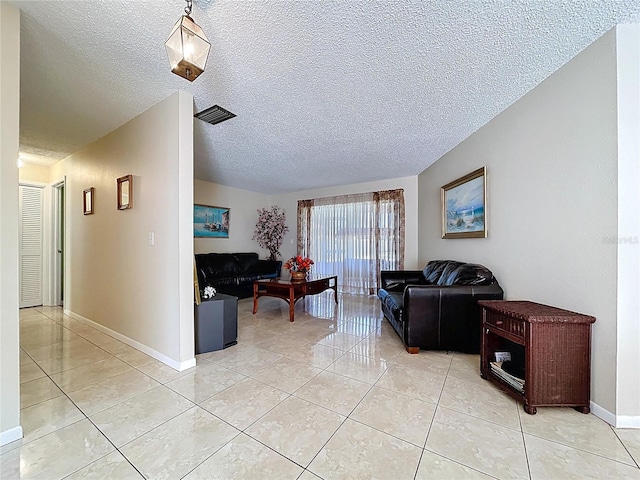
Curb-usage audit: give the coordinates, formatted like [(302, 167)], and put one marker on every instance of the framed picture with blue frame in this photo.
[(210, 222), (464, 206)]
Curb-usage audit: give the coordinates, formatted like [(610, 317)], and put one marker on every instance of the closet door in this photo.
[(30, 245)]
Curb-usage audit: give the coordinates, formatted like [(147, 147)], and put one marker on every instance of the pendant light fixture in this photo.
[(187, 47)]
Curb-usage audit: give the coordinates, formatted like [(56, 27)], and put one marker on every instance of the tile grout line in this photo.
[(424, 446), (637, 462), (93, 423), (524, 440), (293, 394), (573, 447), (86, 417)]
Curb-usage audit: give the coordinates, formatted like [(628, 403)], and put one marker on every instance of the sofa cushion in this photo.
[(245, 262), (396, 287), (246, 279), (226, 264), (392, 301), (437, 271), (223, 282), (204, 263), (209, 272), (217, 264), (433, 271), (265, 267), (266, 276), (470, 274), (448, 273)]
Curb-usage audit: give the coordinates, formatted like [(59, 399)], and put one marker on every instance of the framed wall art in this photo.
[(210, 222), (125, 192), (87, 200), (464, 204)]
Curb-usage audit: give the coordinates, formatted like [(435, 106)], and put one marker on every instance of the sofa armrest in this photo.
[(392, 278), (421, 314), (447, 317), (202, 278)]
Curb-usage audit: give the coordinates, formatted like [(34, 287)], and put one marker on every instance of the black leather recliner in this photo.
[(437, 308)]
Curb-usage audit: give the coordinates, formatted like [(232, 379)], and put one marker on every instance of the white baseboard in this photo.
[(628, 421), (618, 421), (10, 435), (603, 414), (180, 366)]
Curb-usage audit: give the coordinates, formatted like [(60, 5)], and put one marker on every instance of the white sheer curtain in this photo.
[(353, 237)]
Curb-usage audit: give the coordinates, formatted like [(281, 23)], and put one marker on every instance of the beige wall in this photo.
[(30, 172), (243, 207), (552, 200), (289, 201), (10, 429), (116, 279)]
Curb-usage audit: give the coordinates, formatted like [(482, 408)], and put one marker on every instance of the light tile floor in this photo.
[(331, 396)]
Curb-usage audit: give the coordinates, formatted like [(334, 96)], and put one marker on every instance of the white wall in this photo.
[(115, 277), (243, 206), (552, 173), (628, 60), (289, 201), (10, 429)]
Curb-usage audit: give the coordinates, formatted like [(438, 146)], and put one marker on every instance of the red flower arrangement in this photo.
[(298, 264)]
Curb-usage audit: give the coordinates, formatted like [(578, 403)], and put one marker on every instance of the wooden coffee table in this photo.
[(292, 291)]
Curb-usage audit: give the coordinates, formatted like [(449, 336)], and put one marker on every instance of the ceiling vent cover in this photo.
[(214, 115)]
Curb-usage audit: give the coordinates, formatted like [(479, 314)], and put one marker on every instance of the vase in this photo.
[(299, 276)]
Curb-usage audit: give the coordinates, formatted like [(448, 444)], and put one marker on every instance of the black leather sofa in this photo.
[(437, 308), (234, 273)]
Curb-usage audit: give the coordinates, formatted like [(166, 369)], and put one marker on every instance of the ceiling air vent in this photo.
[(215, 114)]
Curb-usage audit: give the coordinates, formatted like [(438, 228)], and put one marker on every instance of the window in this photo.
[(353, 237)]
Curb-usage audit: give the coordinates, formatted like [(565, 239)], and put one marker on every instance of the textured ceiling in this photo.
[(325, 92)]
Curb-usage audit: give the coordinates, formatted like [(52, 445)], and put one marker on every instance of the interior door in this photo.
[(59, 243), (30, 245)]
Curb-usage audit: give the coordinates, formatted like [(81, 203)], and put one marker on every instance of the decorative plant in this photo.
[(298, 264), (270, 230), (209, 292)]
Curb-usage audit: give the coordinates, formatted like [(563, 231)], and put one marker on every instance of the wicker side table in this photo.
[(557, 352)]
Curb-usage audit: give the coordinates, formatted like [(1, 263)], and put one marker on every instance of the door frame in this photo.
[(56, 244)]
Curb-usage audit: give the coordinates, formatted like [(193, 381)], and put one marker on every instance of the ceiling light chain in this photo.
[(187, 47)]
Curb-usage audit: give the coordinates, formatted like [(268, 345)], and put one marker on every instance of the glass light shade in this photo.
[(187, 48)]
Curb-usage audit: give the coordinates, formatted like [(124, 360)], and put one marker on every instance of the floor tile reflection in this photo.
[(332, 395)]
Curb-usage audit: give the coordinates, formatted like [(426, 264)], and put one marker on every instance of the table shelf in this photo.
[(556, 349)]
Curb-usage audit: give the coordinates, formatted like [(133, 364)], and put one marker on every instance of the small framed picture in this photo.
[(464, 203), (87, 201), (125, 192)]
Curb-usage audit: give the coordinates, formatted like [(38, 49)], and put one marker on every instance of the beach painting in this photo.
[(210, 222), (464, 206)]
